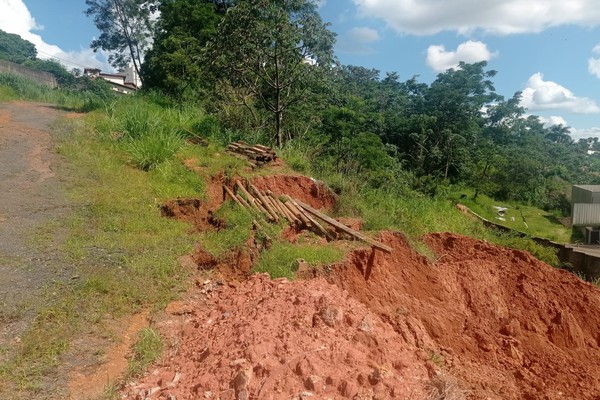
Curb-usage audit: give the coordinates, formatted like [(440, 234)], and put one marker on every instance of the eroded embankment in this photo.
[(506, 324), (479, 322)]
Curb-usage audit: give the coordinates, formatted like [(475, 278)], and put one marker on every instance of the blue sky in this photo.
[(549, 49)]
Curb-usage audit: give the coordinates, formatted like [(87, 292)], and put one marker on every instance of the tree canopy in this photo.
[(125, 29), (16, 49), (174, 64), (273, 51)]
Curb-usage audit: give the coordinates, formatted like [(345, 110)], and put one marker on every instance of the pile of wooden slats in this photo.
[(275, 208), (255, 155)]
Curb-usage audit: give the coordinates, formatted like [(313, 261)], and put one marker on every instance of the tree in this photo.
[(273, 50), (173, 65), (125, 27), (16, 49), (63, 77)]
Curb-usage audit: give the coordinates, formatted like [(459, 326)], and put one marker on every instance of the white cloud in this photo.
[(547, 95), (594, 63), (594, 66), (470, 52), (553, 120), (357, 41), (577, 134), (427, 17), (364, 35), (16, 18)]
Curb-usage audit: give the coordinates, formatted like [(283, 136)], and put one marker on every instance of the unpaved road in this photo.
[(32, 204)]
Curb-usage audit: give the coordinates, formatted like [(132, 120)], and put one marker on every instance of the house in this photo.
[(126, 82), (585, 209)]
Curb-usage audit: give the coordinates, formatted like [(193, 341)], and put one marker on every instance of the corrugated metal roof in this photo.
[(586, 214), (591, 188)]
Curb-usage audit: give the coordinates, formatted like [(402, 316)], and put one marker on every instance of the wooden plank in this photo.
[(343, 227), (312, 220)]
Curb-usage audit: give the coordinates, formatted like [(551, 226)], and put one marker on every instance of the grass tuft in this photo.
[(280, 260)]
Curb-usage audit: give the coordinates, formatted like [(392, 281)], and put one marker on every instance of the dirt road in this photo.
[(32, 202)]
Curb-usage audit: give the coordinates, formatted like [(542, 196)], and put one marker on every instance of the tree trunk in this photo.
[(278, 127)]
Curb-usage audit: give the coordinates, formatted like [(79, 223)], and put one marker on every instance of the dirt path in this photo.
[(32, 201)]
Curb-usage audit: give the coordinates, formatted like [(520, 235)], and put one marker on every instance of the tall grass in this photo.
[(13, 87), (396, 206)]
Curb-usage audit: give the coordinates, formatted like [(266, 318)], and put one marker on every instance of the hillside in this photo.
[(476, 321)]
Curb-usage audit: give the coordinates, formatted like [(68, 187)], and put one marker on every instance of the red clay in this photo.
[(274, 339), (308, 190), (496, 322), (505, 324)]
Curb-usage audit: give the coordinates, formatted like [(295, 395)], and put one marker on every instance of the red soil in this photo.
[(305, 189), (504, 324)]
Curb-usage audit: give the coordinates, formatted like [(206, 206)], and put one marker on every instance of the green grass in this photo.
[(16, 87), (527, 219), (280, 260), (147, 349), (123, 250)]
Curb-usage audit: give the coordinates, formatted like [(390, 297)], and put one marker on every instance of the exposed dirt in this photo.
[(313, 192), (274, 339), (481, 322)]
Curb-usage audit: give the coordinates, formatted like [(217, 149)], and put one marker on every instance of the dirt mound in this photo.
[(314, 193), (274, 339), (507, 325)]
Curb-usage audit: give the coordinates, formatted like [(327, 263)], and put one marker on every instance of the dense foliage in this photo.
[(265, 68), (125, 29), (14, 48)]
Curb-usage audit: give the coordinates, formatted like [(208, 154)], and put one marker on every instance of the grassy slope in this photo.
[(527, 219), (126, 252)]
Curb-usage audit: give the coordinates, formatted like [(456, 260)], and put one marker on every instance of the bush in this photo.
[(149, 151)]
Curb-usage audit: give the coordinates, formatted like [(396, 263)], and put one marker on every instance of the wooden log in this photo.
[(297, 214), (317, 225), (282, 210), (244, 202), (232, 195), (295, 221), (268, 202), (343, 227), (262, 209), (313, 222), (262, 199), (249, 197), (275, 207)]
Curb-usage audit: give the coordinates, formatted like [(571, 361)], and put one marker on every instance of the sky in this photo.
[(547, 49)]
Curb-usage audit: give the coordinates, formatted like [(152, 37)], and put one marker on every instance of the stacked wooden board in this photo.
[(275, 208), (255, 155)]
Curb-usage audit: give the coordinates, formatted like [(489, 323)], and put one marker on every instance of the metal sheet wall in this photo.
[(586, 214)]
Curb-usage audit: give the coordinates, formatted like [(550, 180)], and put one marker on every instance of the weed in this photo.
[(149, 151), (280, 259), (147, 349), (444, 386)]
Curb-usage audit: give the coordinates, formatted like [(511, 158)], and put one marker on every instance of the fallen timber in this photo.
[(255, 155), (297, 213)]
